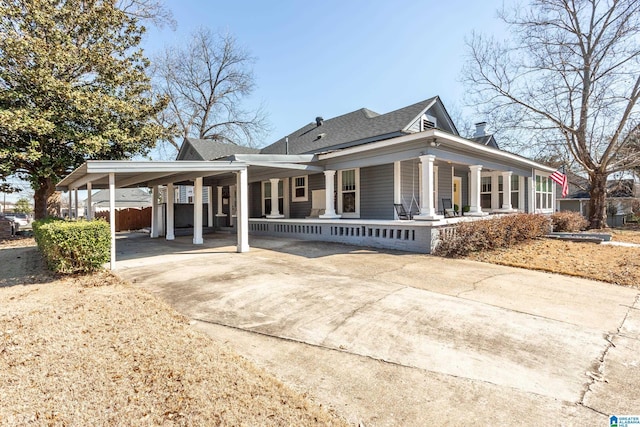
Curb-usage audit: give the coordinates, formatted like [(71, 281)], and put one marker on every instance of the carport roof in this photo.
[(149, 173), (143, 173)]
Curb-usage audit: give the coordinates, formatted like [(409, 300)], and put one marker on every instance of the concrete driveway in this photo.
[(400, 339)]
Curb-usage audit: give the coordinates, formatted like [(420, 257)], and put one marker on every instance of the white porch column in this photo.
[(243, 210), (275, 199), (427, 208), (154, 212), (209, 206), (329, 185), (75, 198), (112, 218), (219, 213), (506, 191), (495, 191), (232, 205), (475, 208), (197, 212), (89, 203), (170, 210)]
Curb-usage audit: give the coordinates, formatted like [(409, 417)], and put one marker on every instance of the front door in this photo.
[(457, 192)]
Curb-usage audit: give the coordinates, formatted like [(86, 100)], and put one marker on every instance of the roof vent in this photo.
[(321, 135), (319, 120), (480, 129)]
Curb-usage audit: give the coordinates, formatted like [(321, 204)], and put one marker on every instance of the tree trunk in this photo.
[(598, 201), (41, 197)]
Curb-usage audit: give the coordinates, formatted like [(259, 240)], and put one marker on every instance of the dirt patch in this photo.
[(613, 264), (92, 350)]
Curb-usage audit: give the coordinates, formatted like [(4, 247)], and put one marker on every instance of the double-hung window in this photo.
[(544, 193), (485, 192), (300, 189), (349, 193)]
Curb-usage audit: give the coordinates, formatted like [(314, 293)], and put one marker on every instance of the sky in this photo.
[(333, 57)]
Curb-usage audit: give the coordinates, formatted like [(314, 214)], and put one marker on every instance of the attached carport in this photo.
[(112, 174)]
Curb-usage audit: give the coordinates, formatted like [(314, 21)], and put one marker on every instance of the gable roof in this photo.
[(210, 149), (488, 140), (355, 128)]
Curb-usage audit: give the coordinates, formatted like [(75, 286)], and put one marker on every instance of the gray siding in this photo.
[(464, 174), (445, 183), (303, 209), (255, 200), (410, 184), (376, 192)]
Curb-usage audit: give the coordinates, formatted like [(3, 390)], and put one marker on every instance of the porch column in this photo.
[(197, 212), (170, 216), (219, 213), (243, 210), (475, 208), (89, 203), (112, 219), (75, 200), (506, 191), (427, 208), (275, 199), (232, 205), (209, 206), (154, 212), (329, 185)]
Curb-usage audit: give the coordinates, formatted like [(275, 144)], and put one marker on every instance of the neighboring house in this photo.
[(622, 195), (125, 198)]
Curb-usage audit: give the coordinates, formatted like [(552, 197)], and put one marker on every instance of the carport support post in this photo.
[(209, 206), (243, 210), (112, 218), (89, 206), (154, 210), (75, 199), (170, 201), (197, 211)]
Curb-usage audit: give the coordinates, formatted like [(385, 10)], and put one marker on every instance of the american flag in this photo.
[(561, 179)]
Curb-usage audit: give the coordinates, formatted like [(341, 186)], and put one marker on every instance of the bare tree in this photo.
[(206, 83), (569, 78), (153, 11)]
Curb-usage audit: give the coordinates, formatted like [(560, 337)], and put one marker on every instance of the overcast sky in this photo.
[(332, 57)]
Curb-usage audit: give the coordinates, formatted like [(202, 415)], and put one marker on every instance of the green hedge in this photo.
[(492, 233), (73, 246)]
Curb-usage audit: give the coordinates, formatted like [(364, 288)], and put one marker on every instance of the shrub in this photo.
[(568, 221), (492, 233), (73, 246)]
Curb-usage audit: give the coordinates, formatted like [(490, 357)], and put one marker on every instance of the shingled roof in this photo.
[(211, 149), (358, 127)]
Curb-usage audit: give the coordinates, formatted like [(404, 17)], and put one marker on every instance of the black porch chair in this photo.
[(402, 212), (447, 207)]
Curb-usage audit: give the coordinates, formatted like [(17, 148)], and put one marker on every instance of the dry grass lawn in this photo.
[(614, 264), (96, 351)]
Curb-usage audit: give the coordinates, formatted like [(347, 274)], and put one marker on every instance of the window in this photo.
[(544, 193), (267, 197), (300, 193), (500, 192), (515, 191), (349, 193), (485, 192)]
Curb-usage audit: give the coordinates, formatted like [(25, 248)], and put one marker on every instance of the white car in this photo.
[(19, 218)]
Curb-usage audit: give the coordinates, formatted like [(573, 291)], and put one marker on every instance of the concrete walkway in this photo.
[(400, 339)]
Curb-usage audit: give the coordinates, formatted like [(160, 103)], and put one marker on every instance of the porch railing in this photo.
[(411, 236)]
